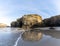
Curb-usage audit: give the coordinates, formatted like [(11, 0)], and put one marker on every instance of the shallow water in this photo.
[(14, 37)]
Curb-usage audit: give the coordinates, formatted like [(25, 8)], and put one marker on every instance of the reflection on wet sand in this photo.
[(36, 34), (32, 35), (53, 33)]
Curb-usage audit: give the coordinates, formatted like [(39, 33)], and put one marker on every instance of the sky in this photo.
[(10, 10)]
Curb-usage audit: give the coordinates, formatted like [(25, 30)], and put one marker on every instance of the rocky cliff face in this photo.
[(34, 20), (27, 21), (53, 21), (31, 20), (2, 25)]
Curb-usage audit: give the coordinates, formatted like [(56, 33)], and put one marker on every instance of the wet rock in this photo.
[(51, 28)]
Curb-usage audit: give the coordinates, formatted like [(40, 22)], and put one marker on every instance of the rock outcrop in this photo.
[(28, 21), (14, 24), (2, 25), (53, 21)]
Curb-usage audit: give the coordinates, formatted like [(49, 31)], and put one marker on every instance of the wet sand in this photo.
[(13, 37)]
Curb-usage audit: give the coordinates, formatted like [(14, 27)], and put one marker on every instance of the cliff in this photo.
[(52, 21), (28, 21)]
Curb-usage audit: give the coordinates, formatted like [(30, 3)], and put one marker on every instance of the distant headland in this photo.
[(2, 25)]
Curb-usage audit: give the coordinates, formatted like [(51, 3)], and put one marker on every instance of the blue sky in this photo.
[(10, 10)]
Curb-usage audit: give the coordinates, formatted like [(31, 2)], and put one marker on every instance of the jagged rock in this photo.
[(27, 21), (2, 25)]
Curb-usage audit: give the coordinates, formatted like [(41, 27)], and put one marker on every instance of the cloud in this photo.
[(9, 12), (12, 9)]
